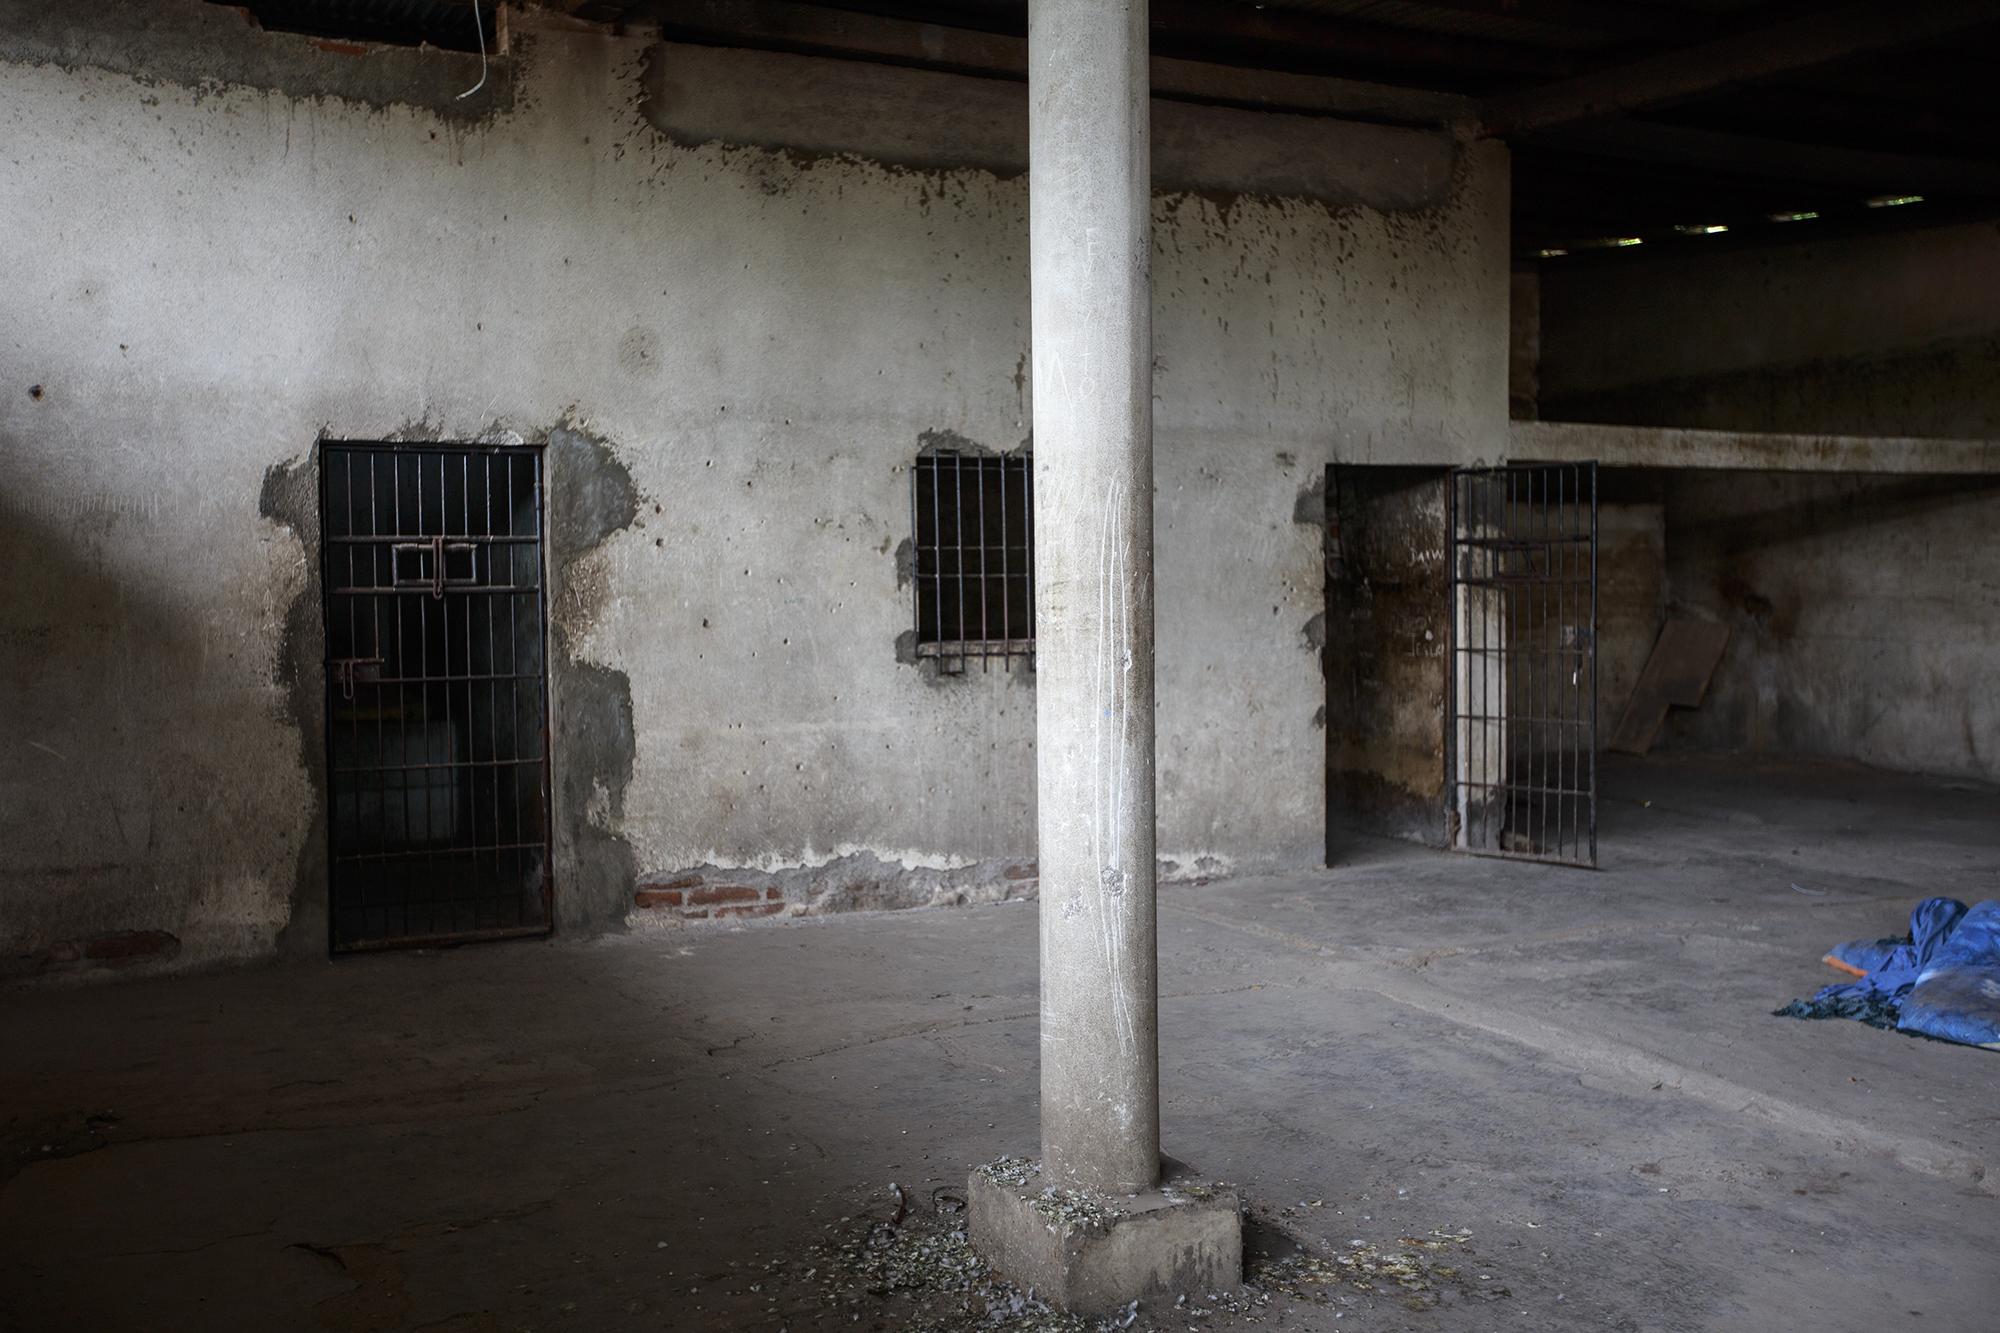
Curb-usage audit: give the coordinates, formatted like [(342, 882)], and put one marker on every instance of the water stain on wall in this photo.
[(209, 47), (290, 498), (591, 498)]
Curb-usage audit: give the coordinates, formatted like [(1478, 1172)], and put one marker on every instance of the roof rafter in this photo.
[(1781, 159), (1801, 43)]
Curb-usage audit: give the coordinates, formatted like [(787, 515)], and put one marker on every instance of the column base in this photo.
[(1093, 1254)]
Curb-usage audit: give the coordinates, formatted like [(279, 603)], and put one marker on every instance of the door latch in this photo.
[(347, 670), (438, 549)]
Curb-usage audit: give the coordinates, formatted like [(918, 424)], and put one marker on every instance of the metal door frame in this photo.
[(440, 547), (1570, 778)]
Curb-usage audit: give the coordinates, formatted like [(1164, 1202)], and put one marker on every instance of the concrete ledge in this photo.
[(1670, 446), (1092, 1254)]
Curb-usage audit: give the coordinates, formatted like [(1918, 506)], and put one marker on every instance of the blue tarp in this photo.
[(1941, 980)]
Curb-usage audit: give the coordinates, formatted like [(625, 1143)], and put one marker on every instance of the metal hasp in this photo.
[(436, 693), (1090, 246), (972, 523), (1521, 725)]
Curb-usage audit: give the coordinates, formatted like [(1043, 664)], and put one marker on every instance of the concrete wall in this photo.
[(1631, 587), (1388, 604), (1524, 344), (1895, 334), (223, 245), (1864, 624), (1864, 616)]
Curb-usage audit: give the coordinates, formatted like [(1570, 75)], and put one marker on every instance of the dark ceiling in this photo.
[(1764, 117), (1672, 122), (448, 24)]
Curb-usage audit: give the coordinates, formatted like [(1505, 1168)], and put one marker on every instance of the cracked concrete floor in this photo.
[(1578, 1068)]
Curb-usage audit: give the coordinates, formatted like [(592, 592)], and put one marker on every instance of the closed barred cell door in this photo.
[(436, 693), (1521, 732)]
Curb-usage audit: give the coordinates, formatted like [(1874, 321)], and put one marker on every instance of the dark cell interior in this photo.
[(974, 565), (437, 699)]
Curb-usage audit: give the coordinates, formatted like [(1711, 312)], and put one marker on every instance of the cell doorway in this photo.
[(437, 701)]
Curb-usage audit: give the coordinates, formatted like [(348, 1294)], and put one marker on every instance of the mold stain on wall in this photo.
[(290, 499), (206, 47), (591, 498), (1386, 667)]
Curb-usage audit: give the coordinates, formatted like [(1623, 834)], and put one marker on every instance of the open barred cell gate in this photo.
[(436, 693), (1521, 724)]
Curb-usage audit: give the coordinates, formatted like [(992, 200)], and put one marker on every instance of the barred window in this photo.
[(974, 566)]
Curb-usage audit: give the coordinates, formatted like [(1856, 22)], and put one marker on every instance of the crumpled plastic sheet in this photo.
[(1941, 980)]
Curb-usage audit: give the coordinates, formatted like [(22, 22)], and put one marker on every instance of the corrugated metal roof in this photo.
[(1494, 24), (1556, 25)]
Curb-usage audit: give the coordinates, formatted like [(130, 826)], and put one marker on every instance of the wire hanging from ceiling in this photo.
[(479, 28)]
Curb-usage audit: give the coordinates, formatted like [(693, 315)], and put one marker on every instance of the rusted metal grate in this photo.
[(973, 571), (1521, 730), (436, 693)]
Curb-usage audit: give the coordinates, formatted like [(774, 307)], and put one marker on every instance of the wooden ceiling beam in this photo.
[(1638, 22), (1184, 27), (785, 25), (1230, 32), (1780, 160), (1802, 43)]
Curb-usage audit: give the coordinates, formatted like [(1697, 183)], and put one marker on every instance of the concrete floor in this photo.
[(1580, 1069)]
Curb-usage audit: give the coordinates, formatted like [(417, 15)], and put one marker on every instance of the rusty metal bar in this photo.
[(1520, 737), (424, 845), (961, 600)]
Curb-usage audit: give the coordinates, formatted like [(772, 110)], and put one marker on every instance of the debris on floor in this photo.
[(1941, 980), (1413, 1272), (919, 1274), (1066, 1211), (1676, 675)]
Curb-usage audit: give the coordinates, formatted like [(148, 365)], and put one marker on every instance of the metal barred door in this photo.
[(1521, 722), (436, 693)]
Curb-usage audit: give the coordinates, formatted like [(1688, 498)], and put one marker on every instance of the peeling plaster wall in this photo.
[(224, 245), (1387, 663)]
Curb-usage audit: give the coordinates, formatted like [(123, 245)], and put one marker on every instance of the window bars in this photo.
[(1521, 726), (436, 693), (973, 571)]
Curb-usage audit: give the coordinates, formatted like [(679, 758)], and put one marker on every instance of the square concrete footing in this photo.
[(1093, 1254)]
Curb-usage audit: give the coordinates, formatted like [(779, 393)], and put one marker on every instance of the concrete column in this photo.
[(1090, 243)]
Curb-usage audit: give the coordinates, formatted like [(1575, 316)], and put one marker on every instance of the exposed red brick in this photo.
[(724, 893), (1028, 871), (774, 893), (340, 48), (683, 882), (125, 946), (761, 909), (657, 898)]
